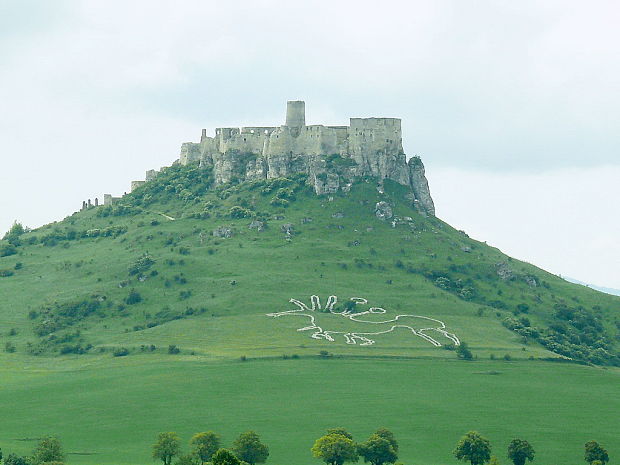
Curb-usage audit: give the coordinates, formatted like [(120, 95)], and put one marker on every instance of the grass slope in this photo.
[(149, 273)]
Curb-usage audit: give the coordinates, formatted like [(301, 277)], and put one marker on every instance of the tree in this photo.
[(49, 449), (519, 450), (594, 451), (463, 352), (473, 448), (167, 446), (224, 457), (377, 450), (247, 447), (340, 430), (205, 445), (389, 436), (13, 234), (335, 449)]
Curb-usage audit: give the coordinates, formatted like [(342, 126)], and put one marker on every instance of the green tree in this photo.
[(167, 446), (473, 448), (340, 430), (335, 449), (49, 449), (377, 450), (463, 352), (494, 460), (247, 447), (594, 451), (205, 445), (13, 234), (519, 450), (389, 436), (224, 457)]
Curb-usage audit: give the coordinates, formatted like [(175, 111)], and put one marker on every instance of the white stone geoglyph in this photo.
[(418, 325)]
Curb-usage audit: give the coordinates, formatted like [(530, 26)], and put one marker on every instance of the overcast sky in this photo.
[(513, 106)]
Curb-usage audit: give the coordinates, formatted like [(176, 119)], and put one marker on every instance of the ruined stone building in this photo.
[(331, 156)]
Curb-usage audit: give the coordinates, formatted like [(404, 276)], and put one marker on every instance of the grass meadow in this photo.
[(109, 412)]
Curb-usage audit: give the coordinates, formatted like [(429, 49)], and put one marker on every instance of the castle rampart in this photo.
[(372, 146)]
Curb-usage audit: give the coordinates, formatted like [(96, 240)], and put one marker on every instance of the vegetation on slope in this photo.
[(179, 265)]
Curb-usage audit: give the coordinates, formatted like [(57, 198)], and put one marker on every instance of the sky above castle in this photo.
[(513, 106)]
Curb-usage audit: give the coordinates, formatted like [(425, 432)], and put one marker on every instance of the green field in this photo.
[(66, 290), (109, 412)]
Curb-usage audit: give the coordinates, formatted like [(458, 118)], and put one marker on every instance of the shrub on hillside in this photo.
[(120, 351), (60, 315), (463, 352), (7, 250), (134, 297), (238, 212), (141, 265)]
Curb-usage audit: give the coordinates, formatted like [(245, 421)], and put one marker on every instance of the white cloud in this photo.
[(94, 92), (564, 221)]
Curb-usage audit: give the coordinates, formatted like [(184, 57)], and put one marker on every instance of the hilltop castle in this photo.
[(330, 155)]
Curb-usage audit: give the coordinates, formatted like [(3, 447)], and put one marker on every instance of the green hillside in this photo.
[(150, 315)]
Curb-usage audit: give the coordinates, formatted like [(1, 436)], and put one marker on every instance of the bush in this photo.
[(141, 265), (7, 250), (57, 316), (173, 349), (120, 352), (134, 297), (238, 212), (463, 352)]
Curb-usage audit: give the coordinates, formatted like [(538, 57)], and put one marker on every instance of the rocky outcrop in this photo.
[(419, 185), (383, 211)]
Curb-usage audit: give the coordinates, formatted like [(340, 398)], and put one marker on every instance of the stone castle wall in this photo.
[(368, 147)]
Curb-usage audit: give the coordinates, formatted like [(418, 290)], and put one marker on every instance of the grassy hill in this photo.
[(149, 315)]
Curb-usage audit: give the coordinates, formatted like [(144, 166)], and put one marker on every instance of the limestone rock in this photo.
[(504, 271), (383, 210), (223, 231), (258, 225), (419, 186), (287, 229)]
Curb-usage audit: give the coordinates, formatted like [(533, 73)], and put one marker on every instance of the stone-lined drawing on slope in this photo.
[(421, 326)]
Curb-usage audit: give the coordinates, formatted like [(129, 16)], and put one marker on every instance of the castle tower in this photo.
[(295, 113)]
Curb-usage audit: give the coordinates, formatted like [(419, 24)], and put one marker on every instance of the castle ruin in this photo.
[(331, 156)]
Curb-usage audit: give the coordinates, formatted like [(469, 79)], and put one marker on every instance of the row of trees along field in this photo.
[(334, 448)]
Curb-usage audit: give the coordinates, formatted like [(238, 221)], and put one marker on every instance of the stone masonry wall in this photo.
[(367, 147)]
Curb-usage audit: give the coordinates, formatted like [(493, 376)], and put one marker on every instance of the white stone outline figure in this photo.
[(355, 336)]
